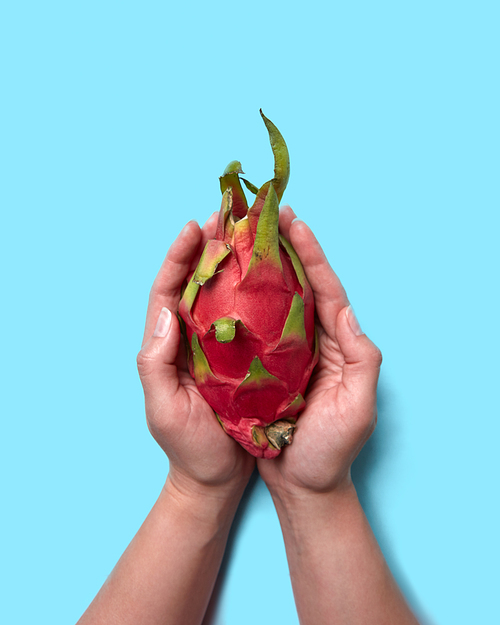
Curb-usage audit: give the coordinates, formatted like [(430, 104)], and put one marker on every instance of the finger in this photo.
[(362, 358), (209, 228), (156, 360), (286, 217), (329, 294), (207, 232), (166, 288)]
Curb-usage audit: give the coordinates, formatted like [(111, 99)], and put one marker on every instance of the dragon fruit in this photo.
[(248, 315)]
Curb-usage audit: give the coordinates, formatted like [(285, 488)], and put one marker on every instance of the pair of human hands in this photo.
[(340, 412)]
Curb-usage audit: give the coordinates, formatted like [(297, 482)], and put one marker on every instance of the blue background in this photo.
[(116, 120)]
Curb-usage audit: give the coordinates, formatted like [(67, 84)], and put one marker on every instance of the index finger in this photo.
[(166, 288), (329, 294)]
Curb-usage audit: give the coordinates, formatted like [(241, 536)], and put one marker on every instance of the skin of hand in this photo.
[(167, 572), (201, 455), (340, 412), (338, 572)]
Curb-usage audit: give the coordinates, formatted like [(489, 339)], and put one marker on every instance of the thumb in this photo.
[(156, 360), (362, 357)]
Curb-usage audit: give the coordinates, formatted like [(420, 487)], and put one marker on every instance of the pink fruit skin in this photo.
[(254, 279)]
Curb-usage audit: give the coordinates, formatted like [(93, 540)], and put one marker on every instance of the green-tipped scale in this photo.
[(249, 314)]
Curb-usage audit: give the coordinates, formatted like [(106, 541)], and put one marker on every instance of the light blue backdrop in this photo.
[(116, 120)]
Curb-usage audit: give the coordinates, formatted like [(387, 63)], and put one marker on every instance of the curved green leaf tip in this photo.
[(251, 187), (215, 251), (234, 167), (281, 158), (266, 244), (230, 178), (297, 265)]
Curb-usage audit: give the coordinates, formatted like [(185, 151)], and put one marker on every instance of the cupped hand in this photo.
[(181, 421), (340, 412)]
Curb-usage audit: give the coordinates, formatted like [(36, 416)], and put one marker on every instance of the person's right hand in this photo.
[(200, 453), (168, 571), (340, 411)]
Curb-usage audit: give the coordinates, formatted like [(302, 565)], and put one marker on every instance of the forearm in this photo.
[(167, 573), (338, 573)]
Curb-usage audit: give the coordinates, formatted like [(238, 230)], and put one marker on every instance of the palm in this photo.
[(338, 417), (196, 440), (179, 418), (321, 432)]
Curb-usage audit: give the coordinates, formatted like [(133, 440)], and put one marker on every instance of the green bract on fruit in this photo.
[(248, 315)]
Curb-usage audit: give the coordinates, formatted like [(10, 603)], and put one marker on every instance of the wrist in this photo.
[(208, 503), (315, 483), (300, 509)]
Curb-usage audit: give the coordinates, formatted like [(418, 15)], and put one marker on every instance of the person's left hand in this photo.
[(179, 418), (341, 407)]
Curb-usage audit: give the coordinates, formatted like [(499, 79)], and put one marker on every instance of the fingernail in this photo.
[(297, 220), (191, 221), (353, 321), (163, 323), (212, 217)]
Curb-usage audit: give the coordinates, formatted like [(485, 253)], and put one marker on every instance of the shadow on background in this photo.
[(364, 471), (212, 614), (374, 454)]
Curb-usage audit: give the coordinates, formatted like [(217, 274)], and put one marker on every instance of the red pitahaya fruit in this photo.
[(248, 315)]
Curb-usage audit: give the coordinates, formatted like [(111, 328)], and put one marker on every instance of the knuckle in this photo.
[(145, 363), (154, 292), (376, 356)]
